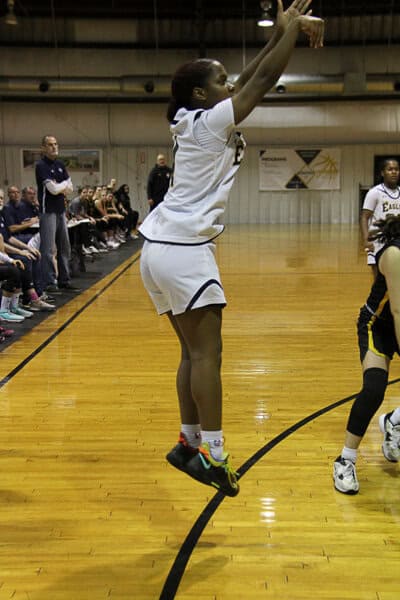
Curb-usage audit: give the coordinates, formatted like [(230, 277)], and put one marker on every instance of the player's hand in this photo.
[(18, 263), (296, 9), (313, 27)]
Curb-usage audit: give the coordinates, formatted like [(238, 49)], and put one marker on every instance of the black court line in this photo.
[(178, 568), (44, 344)]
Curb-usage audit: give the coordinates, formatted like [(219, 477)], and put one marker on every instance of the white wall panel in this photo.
[(132, 135), (131, 165)]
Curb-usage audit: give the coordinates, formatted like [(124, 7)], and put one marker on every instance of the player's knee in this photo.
[(368, 400)]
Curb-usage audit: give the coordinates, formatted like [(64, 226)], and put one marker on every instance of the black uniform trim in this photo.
[(181, 243), (201, 290)]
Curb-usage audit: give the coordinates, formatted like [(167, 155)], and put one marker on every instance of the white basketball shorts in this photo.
[(371, 258), (181, 278)]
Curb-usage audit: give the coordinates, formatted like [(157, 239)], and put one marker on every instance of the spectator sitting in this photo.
[(28, 195), (99, 219), (22, 220), (18, 250), (10, 311), (105, 206), (123, 203), (114, 216), (21, 216), (91, 237)]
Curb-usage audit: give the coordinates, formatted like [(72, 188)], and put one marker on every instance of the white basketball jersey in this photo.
[(207, 154), (382, 201)]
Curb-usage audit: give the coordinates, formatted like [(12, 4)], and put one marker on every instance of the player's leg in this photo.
[(187, 406), (369, 399), (201, 332), (190, 434)]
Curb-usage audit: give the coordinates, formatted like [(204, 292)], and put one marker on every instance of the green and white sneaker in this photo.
[(219, 474), (10, 317), (22, 312)]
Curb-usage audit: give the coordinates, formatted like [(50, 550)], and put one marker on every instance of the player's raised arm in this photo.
[(273, 63), (297, 8)]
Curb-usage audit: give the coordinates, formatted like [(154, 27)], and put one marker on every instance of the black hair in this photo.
[(387, 230), (120, 193), (190, 75), (385, 162)]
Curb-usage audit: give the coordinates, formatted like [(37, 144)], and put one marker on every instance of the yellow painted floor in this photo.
[(89, 508)]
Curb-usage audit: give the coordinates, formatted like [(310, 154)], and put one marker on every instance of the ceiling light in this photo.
[(10, 18), (267, 14)]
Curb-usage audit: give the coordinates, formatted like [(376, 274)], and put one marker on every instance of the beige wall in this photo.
[(131, 164), (131, 135)]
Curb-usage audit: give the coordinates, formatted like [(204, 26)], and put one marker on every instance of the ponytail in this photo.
[(388, 230), (188, 76), (172, 109)]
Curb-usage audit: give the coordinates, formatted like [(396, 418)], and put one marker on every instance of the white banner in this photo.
[(304, 168)]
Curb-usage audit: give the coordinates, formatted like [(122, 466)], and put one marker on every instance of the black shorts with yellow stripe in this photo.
[(376, 334)]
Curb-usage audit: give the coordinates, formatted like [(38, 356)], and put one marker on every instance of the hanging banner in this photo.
[(297, 169), (84, 166)]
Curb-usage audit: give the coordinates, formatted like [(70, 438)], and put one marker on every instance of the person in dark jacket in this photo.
[(123, 203), (158, 181)]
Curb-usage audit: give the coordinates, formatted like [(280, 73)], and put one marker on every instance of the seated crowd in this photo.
[(99, 220)]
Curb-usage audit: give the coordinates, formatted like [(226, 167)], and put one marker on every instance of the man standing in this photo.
[(53, 183), (158, 181)]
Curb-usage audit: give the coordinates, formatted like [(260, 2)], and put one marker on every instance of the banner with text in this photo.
[(297, 169)]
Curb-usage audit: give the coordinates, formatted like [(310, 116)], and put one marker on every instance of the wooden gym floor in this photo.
[(89, 508)]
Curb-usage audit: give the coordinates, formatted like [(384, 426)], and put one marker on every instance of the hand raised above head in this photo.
[(296, 9), (313, 27)]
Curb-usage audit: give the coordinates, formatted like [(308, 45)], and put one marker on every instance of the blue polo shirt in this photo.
[(15, 214), (3, 228), (53, 170)]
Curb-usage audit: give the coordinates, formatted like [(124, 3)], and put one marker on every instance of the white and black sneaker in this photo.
[(345, 476), (391, 439)]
